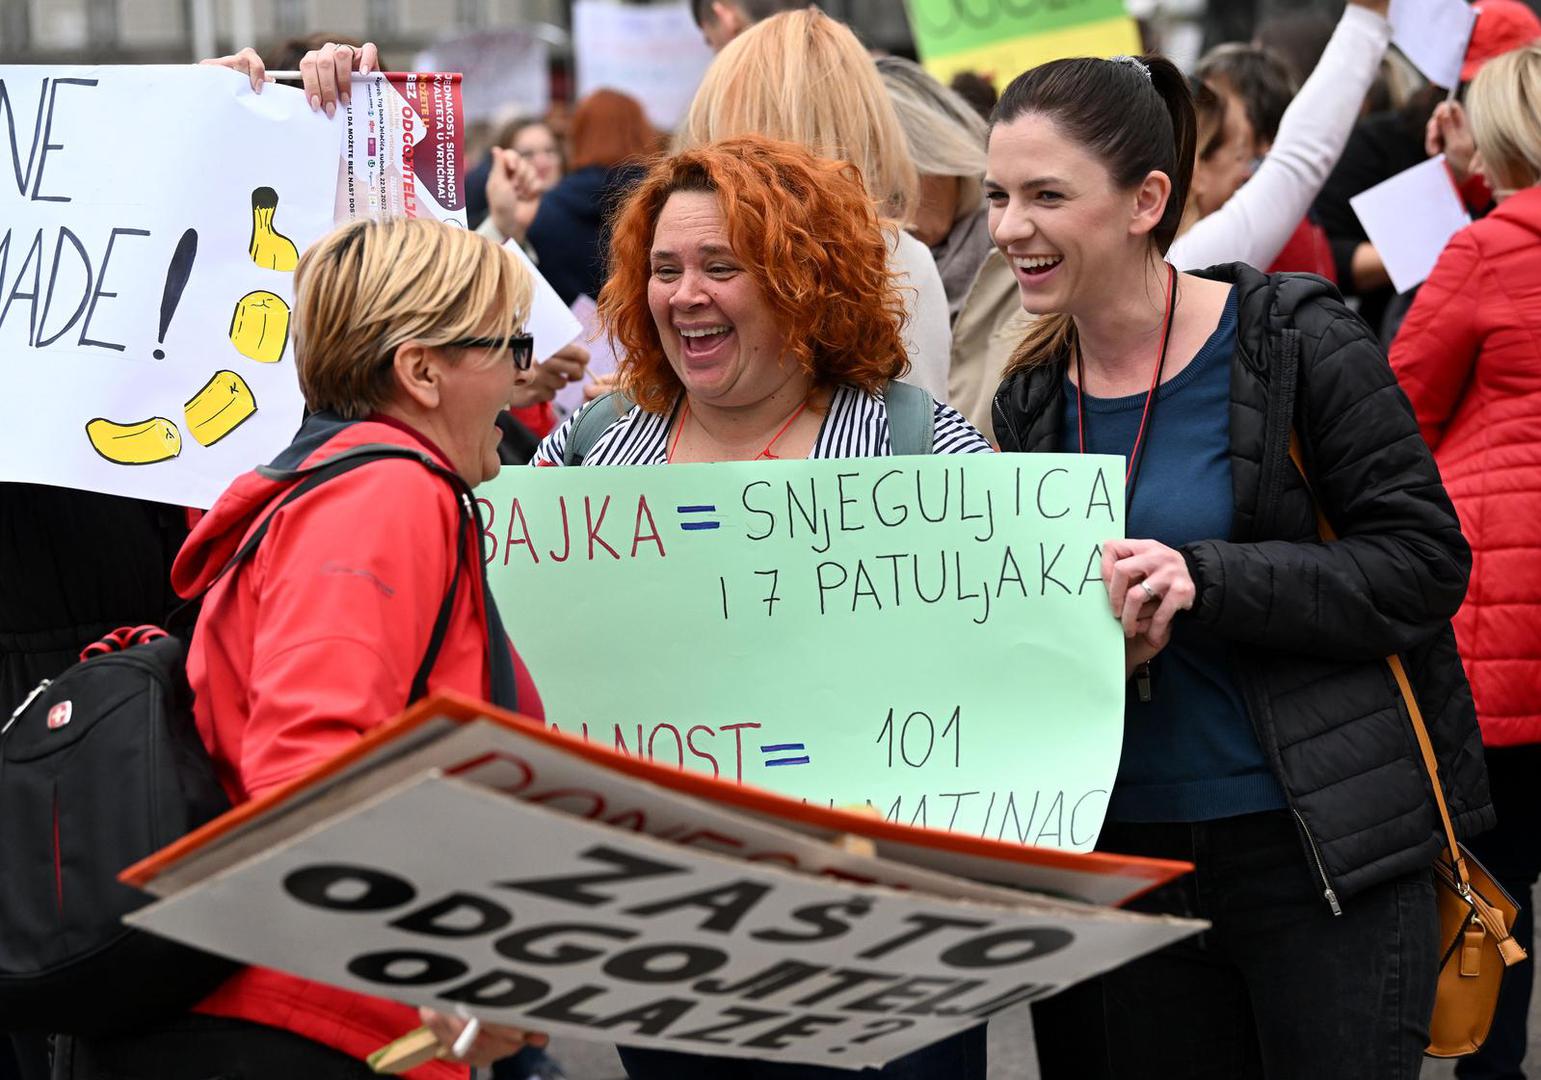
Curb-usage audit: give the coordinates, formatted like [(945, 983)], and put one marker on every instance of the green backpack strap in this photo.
[(911, 423), (594, 419)]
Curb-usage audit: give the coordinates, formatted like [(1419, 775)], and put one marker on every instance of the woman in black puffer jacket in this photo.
[(1265, 739)]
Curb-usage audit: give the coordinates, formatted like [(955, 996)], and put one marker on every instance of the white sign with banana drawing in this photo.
[(150, 222)]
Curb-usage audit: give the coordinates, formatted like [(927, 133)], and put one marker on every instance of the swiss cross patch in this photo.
[(59, 715)]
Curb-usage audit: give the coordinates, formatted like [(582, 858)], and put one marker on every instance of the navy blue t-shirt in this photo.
[(1190, 753)]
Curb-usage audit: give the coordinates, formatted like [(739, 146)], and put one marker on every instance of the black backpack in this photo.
[(100, 768)]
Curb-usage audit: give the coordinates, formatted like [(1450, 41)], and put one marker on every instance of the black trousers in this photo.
[(1277, 989), (1512, 854), (197, 1047)]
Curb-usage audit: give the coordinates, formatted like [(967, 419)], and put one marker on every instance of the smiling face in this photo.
[(1069, 232), (714, 323), (475, 387), (537, 145)]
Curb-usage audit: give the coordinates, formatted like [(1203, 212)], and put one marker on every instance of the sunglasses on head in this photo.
[(522, 345)]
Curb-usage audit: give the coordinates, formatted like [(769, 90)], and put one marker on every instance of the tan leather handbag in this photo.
[(1475, 913)]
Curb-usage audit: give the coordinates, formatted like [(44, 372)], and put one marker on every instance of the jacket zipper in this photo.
[(1316, 856)]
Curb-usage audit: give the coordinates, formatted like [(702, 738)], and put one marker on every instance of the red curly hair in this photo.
[(807, 232)]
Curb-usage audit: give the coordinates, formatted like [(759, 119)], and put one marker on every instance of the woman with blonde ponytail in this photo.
[(1263, 740)]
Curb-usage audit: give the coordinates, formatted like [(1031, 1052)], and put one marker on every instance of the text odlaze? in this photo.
[(954, 951)]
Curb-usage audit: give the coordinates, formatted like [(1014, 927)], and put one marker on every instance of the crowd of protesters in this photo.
[(836, 255)]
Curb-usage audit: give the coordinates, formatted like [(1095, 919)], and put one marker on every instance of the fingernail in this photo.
[(331, 109), (315, 101)]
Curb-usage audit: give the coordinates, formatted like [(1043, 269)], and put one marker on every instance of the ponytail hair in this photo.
[(1135, 114)]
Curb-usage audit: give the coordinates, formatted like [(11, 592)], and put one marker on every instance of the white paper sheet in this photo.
[(1433, 34), (551, 324), (1410, 218), (601, 357)]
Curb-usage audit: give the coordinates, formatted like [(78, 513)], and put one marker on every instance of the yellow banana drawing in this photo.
[(270, 248), (224, 404), (144, 443), (260, 327)]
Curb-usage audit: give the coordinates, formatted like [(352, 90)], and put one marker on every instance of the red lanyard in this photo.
[(1135, 457), (764, 454)]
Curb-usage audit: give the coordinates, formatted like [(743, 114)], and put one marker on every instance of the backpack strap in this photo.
[(592, 422), (911, 423), (313, 476)]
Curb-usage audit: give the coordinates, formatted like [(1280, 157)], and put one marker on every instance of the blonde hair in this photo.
[(802, 77), (946, 136), (1503, 101), (370, 286)]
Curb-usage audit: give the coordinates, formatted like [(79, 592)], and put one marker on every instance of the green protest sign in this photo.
[(927, 634), (1001, 38)]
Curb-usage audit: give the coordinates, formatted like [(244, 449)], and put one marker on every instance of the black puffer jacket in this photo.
[(1310, 623)]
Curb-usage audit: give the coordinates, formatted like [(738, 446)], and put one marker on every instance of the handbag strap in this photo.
[(1414, 714)]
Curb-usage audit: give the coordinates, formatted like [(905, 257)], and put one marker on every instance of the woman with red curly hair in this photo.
[(751, 301)]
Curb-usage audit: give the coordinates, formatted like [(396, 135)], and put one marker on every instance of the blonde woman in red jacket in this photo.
[(407, 333), (1469, 357)]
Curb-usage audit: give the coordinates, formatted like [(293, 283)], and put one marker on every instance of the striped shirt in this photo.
[(855, 427)]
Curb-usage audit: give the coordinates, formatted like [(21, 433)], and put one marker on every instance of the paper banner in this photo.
[(929, 635), (654, 52), (401, 148), (1000, 40), (150, 222), (501, 70)]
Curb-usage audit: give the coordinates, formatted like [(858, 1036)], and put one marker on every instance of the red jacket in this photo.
[(1469, 357), (314, 640), (1308, 251)]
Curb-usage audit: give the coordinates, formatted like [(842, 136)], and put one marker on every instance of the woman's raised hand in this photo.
[(1449, 132), (513, 193), (247, 62), (327, 73)]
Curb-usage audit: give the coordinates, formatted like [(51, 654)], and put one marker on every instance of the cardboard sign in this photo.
[(926, 635), (441, 892), (1409, 244), (510, 754), (1433, 34), (654, 52), (1000, 40), (150, 222)]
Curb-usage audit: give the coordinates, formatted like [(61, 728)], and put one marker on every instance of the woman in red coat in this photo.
[(1469, 357)]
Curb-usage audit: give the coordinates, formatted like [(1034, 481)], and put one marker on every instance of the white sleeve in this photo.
[(1255, 224), (928, 331)]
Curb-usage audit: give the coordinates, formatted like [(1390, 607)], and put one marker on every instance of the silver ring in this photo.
[(1149, 592)]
